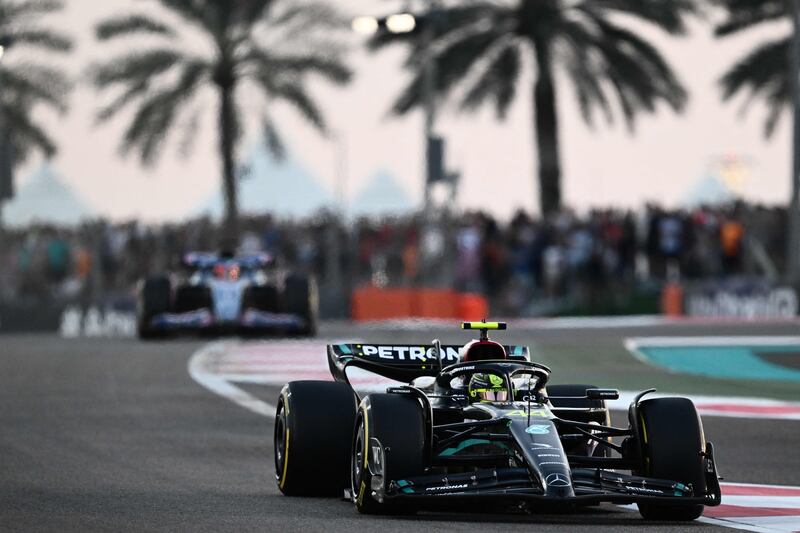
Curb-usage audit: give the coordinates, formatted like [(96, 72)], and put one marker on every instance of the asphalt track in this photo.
[(113, 435)]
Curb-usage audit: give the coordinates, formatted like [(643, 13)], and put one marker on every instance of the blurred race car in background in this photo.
[(227, 293)]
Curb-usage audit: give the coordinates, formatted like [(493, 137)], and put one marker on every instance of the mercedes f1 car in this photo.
[(481, 423), (227, 293)]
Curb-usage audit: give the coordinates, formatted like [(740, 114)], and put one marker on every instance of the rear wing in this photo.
[(401, 362)]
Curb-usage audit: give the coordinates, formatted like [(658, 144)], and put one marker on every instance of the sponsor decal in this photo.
[(644, 489), (557, 480), (539, 446), (448, 487), (549, 455), (752, 302), (407, 353), (551, 463), (522, 413), (538, 429)]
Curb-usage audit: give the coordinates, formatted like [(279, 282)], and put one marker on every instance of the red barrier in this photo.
[(672, 300), (372, 303)]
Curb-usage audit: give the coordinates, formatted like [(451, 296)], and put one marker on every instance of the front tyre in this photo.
[(313, 429), (672, 443), (388, 445)]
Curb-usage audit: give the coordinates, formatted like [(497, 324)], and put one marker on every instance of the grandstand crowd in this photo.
[(515, 263)]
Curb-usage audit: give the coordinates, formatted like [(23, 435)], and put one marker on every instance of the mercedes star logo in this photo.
[(557, 480)]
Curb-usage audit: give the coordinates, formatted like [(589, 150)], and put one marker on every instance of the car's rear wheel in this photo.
[(599, 415), (672, 442), (262, 298), (300, 298), (388, 445), (154, 299), (313, 432)]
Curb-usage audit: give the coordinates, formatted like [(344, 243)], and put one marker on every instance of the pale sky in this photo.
[(606, 166)]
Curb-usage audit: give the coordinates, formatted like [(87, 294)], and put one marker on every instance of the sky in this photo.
[(605, 166)]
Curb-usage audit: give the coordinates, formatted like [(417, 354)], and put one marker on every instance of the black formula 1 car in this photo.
[(227, 293), (478, 424)]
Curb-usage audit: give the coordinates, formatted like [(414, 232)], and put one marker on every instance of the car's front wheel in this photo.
[(388, 445), (672, 443)]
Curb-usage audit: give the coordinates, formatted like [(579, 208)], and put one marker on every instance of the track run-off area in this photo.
[(118, 435)]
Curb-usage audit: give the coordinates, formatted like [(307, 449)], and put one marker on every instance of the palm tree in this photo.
[(268, 45), (763, 72), (481, 48), (25, 84)]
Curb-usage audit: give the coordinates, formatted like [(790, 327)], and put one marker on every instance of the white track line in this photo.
[(199, 370)]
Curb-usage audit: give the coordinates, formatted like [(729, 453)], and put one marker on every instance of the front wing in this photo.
[(590, 485), (250, 319)]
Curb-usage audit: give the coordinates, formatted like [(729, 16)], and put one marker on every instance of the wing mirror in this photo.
[(602, 394)]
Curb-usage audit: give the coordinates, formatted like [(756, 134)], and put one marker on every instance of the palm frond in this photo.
[(668, 15), (131, 24), (638, 72), (778, 102), (452, 65), (745, 14), (587, 74), (39, 38), (498, 81), (330, 68), (297, 96), (157, 112), (762, 67), (35, 83), (763, 72), (28, 9), (451, 21), (25, 133), (135, 66), (310, 16)]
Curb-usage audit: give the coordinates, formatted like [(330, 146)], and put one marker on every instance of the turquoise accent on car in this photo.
[(462, 445), (345, 349), (732, 362)]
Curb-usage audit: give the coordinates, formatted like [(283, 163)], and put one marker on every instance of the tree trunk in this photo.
[(546, 129), (227, 144)]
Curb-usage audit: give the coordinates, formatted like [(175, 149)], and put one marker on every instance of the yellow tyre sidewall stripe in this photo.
[(286, 449)]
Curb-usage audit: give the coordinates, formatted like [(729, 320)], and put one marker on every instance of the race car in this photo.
[(222, 293), (480, 423)]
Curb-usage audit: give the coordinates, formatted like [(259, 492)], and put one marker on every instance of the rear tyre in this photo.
[(394, 426), (300, 298), (154, 298), (262, 298), (601, 417), (313, 431), (672, 441)]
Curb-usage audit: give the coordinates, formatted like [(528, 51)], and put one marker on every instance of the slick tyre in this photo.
[(300, 298), (394, 427), (313, 432), (672, 441), (601, 417), (154, 298)]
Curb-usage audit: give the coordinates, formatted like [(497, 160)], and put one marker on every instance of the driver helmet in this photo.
[(487, 387)]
